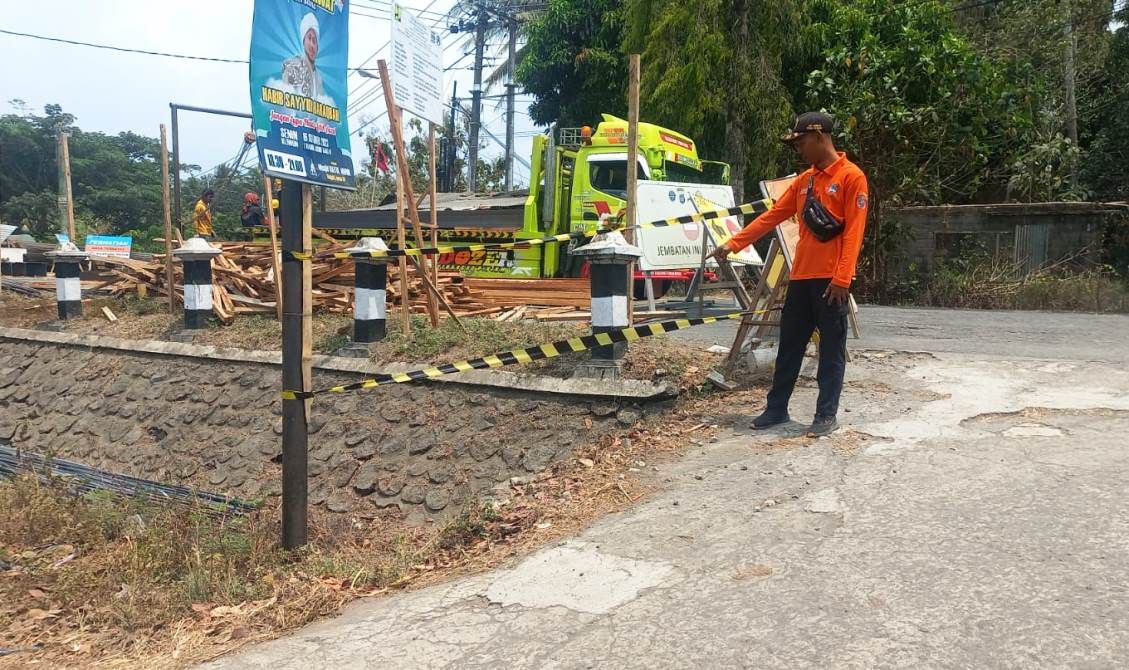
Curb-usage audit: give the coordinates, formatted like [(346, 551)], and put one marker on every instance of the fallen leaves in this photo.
[(36, 614)]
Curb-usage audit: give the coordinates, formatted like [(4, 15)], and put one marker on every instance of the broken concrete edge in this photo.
[(623, 388)]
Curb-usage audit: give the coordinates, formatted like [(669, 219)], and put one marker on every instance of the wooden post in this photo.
[(632, 172), (168, 219), (297, 213), (432, 162), (65, 197), (405, 179), (401, 241), (272, 225)]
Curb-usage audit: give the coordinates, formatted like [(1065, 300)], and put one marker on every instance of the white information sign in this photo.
[(680, 247), (417, 65)]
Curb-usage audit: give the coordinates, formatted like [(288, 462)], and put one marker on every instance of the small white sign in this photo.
[(417, 66), (290, 164), (680, 247), (117, 246)]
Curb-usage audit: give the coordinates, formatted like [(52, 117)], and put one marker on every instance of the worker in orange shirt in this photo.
[(830, 201)]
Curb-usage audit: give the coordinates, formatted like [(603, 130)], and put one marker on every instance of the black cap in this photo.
[(808, 122)]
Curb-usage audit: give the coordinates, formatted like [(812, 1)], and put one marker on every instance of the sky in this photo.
[(113, 92)]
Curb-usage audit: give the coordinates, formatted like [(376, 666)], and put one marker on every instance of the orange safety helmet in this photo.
[(251, 198)]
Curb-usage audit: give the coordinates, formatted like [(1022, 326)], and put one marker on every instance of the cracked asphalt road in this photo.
[(971, 513)]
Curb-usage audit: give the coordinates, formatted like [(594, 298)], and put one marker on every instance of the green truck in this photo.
[(576, 175)]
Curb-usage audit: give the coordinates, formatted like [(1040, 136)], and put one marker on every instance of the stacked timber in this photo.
[(243, 282)]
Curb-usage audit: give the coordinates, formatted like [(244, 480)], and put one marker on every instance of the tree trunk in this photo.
[(736, 144)]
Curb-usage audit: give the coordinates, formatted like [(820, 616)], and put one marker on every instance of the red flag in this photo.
[(379, 158)]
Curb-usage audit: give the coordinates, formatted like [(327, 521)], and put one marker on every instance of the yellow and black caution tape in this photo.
[(755, 207), (520, 356)]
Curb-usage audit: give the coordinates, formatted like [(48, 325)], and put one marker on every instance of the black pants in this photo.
[(805, 309)]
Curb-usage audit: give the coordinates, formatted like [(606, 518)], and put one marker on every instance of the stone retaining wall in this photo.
[(216, 424)]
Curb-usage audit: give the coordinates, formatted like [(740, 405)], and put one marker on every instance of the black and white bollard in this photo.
[(68, 286), (369, 291), (608, 255), (197, 255)]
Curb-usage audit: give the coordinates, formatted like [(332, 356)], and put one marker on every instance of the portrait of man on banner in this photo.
[(298, 69)]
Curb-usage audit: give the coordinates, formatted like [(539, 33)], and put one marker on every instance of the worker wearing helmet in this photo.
[(251, 214), (300, 72), (830, 202)]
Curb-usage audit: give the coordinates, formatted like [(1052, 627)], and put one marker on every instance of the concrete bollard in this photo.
[(608, 255), (68, 286), (197, 255), (369, 291)]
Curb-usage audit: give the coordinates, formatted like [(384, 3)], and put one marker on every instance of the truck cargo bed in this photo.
[(501, 211)]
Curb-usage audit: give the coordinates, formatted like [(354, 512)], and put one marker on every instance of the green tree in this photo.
[(572, 64), (712, 70), (116, 179), (1104, 124), (929, 119)]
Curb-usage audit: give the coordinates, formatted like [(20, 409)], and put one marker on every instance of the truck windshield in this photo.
[(610, 176), (685, 174)]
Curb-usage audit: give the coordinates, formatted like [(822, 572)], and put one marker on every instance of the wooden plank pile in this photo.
[(575, 293), (243, 282)]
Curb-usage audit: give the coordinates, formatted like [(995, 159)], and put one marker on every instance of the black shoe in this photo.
[(822, 425), (767, 419)]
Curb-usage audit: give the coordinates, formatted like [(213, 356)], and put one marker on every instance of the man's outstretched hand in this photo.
[(720, 252), (836, 295)]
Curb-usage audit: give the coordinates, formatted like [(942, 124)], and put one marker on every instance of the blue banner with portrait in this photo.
[(299, 61)]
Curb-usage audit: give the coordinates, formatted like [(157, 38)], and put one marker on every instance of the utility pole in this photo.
[(449, 153), (1069, 79), (510, 107), (476, 105)]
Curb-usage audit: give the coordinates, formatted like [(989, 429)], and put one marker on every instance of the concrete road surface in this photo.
[(973, 513)]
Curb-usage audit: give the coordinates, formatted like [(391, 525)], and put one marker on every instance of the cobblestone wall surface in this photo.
[(416, 449)]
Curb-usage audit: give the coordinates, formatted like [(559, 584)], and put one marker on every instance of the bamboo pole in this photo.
[(401, 241), (272, 225)]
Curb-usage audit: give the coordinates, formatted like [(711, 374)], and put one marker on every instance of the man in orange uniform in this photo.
[(822, 270)]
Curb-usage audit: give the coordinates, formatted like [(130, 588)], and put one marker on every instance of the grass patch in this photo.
[(96, 577), (481, 337), (988, 285)]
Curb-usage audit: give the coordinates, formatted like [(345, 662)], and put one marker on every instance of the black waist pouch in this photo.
[(819, 221)]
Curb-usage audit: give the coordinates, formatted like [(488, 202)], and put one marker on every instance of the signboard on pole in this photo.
[(417, 66), (680, 247), (298, 90), (117, 246)]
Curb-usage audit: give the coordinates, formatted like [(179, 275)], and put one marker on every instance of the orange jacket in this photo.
[(842, 190)]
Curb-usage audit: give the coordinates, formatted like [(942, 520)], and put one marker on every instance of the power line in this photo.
[(110, 47), (164, 54)]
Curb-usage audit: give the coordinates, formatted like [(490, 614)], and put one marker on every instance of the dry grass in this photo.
[(987, 284), (92, 582)]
